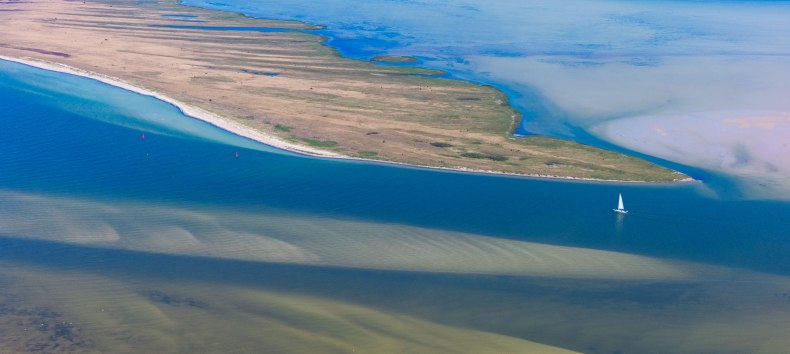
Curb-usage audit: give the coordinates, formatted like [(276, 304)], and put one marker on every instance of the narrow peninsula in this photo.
[(279, 83)]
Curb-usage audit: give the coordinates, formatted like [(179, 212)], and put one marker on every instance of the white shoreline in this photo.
[(268, 139), (190, 111)]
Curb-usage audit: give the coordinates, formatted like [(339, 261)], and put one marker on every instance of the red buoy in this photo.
[(237, 155), (142, 136)]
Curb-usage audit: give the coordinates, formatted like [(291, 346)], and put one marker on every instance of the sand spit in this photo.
[(271, 140)]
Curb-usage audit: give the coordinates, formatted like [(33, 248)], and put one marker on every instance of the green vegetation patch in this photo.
[(282, 128), (394, 59), (211, 79), (553, 163), (368, 154), (476, 155), (320, 143)]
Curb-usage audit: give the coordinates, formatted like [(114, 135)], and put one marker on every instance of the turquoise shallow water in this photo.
[(83, 192)]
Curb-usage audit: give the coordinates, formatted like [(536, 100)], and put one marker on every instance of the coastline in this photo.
[(271, 140), (188, 110)]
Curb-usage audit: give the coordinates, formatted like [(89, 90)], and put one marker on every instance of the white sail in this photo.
[(620, 204)]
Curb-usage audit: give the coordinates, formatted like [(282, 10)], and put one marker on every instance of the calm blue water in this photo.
[(75, 138)]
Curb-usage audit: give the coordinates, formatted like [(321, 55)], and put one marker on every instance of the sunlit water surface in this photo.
[(127, 227)]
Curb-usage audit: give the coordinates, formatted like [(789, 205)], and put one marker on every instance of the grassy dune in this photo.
[(266, 80)]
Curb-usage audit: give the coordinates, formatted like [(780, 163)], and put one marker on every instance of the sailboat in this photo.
[(620, 209)]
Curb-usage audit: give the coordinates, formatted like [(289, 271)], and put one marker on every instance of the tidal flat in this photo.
[(121, 301)]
